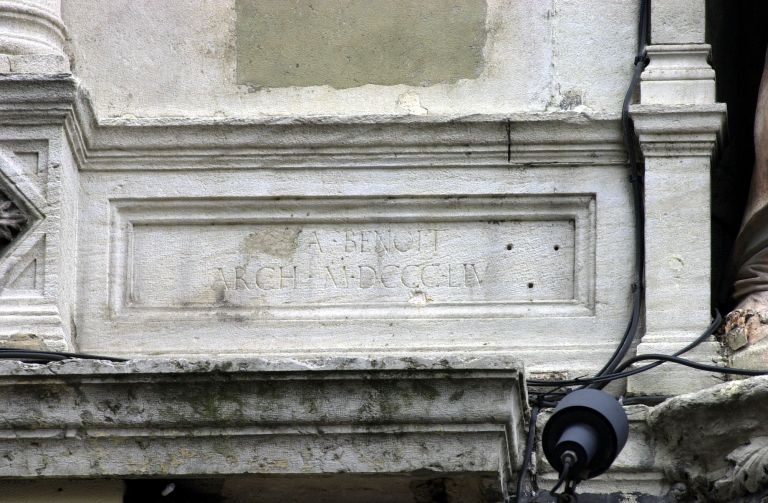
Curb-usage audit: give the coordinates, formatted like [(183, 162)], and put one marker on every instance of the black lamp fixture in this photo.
[(583, 437)]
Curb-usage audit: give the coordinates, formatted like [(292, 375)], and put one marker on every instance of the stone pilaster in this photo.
[(38, 179), (679, 125)]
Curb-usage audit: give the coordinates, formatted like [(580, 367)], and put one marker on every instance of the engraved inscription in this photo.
[(389, 267), (444, 262), (341, 258)]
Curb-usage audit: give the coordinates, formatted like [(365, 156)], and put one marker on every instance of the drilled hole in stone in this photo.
[(530, 285), (557, 247), (509, 246)]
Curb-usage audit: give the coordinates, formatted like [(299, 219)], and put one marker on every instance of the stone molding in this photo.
[(534, 139), (547, 141), (445, 415), (31, 27), (678, 73), (679, 130)]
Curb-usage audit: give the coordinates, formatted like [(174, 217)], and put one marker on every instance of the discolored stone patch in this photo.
[(350, 43)]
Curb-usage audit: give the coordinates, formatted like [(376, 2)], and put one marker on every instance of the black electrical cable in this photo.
[(644, 400), (36, 356), (630, 334), (563, 475), (631, 330), (660, 358), (529, 444), (621, 374)]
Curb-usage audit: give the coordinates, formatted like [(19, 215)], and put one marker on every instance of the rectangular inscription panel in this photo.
[(408, 257)]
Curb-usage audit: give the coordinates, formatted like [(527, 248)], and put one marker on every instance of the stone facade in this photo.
[(334, 238)]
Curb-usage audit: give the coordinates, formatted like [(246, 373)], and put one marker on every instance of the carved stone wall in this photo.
[(38, 178)]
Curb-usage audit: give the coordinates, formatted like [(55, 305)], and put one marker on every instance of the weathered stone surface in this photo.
[(516, 174), (530, 61), (263, 416), (351, 43), (714, 440), (678, 21), (432, 233)]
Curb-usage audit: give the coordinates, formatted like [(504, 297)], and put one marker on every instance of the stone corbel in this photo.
[(38, 179)]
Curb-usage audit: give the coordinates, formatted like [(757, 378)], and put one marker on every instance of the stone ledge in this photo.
[(317, 415)]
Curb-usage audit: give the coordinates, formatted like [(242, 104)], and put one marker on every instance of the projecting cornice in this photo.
[(317, 415), (525, 139)]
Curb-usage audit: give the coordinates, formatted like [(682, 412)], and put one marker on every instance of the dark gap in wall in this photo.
[(736, 30)]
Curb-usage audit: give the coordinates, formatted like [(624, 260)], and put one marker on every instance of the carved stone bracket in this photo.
[(38, 232)]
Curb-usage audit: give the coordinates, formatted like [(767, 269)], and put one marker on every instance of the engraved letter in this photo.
[(453, 280), (284, 276), (264, 281), (350, 245), (240, 283), (366, 241), (371, 276), (329, 275), (384, 244), (414, 275), (221, 279), (471, 270), (403, 242), (429, 279), (315, 242), (386, 277)]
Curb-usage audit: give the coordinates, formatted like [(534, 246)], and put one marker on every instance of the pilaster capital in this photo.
[(680, 130)]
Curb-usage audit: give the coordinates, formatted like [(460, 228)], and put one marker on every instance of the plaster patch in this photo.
[(350, 43)]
